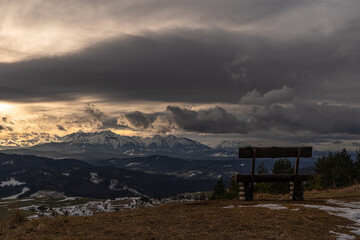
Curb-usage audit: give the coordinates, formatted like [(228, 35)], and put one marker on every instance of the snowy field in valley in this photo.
[(51, 204)]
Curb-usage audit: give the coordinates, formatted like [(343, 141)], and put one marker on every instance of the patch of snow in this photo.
[(345, 212), (15, 173), (231, 206), (94, 178), (113, 187), (92, 207), (24, 190), (133, 191), (342, 236), (25, 200), (11, 183), (356, 230), (295, 209), (344, 204), (11, 162), (269, 206), (129, 152), (69, 199), (350, 211), (43, 172), (132, 164), (222, 154), (46, 193), (65, 174)]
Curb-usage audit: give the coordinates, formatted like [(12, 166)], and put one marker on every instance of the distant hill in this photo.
[(22, 175), (193, 169)]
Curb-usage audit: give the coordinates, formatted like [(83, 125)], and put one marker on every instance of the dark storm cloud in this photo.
[(337, 142), (214, 120), (187, 66), (138, 119), (168, 67), (5, 128), (61, 128), (104, 121), (285, 94), (94, 112), (321, 118), (298, 117)]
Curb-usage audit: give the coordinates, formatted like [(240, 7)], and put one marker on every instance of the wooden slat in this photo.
[(275, 152), (272, 178)]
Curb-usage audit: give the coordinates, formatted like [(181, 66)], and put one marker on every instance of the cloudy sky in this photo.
[(265, 72)]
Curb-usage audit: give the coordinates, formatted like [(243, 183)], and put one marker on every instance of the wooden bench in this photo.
[(246, 182)]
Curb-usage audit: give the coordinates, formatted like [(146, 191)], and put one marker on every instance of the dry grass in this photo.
[(347, 192), (196, 220)]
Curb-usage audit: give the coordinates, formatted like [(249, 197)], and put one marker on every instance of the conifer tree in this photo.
[(336, 170), (219, 189)]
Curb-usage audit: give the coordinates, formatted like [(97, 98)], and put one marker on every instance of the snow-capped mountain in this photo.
[(107, 144), (117, 141)]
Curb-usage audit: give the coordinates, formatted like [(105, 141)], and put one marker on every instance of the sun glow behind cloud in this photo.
[(5, 107), (26, 124), (37, 28)]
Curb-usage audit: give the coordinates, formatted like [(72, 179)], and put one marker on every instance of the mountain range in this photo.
[(107, 144), (169, 155), (115, 166)]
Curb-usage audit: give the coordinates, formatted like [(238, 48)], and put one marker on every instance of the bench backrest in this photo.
[(274, 152)]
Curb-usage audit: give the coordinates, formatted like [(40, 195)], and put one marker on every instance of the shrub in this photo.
[(220, 191), (233, 190), (336, 170)]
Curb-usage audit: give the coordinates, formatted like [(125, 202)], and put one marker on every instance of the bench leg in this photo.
[(245, 193), (296, 191)]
